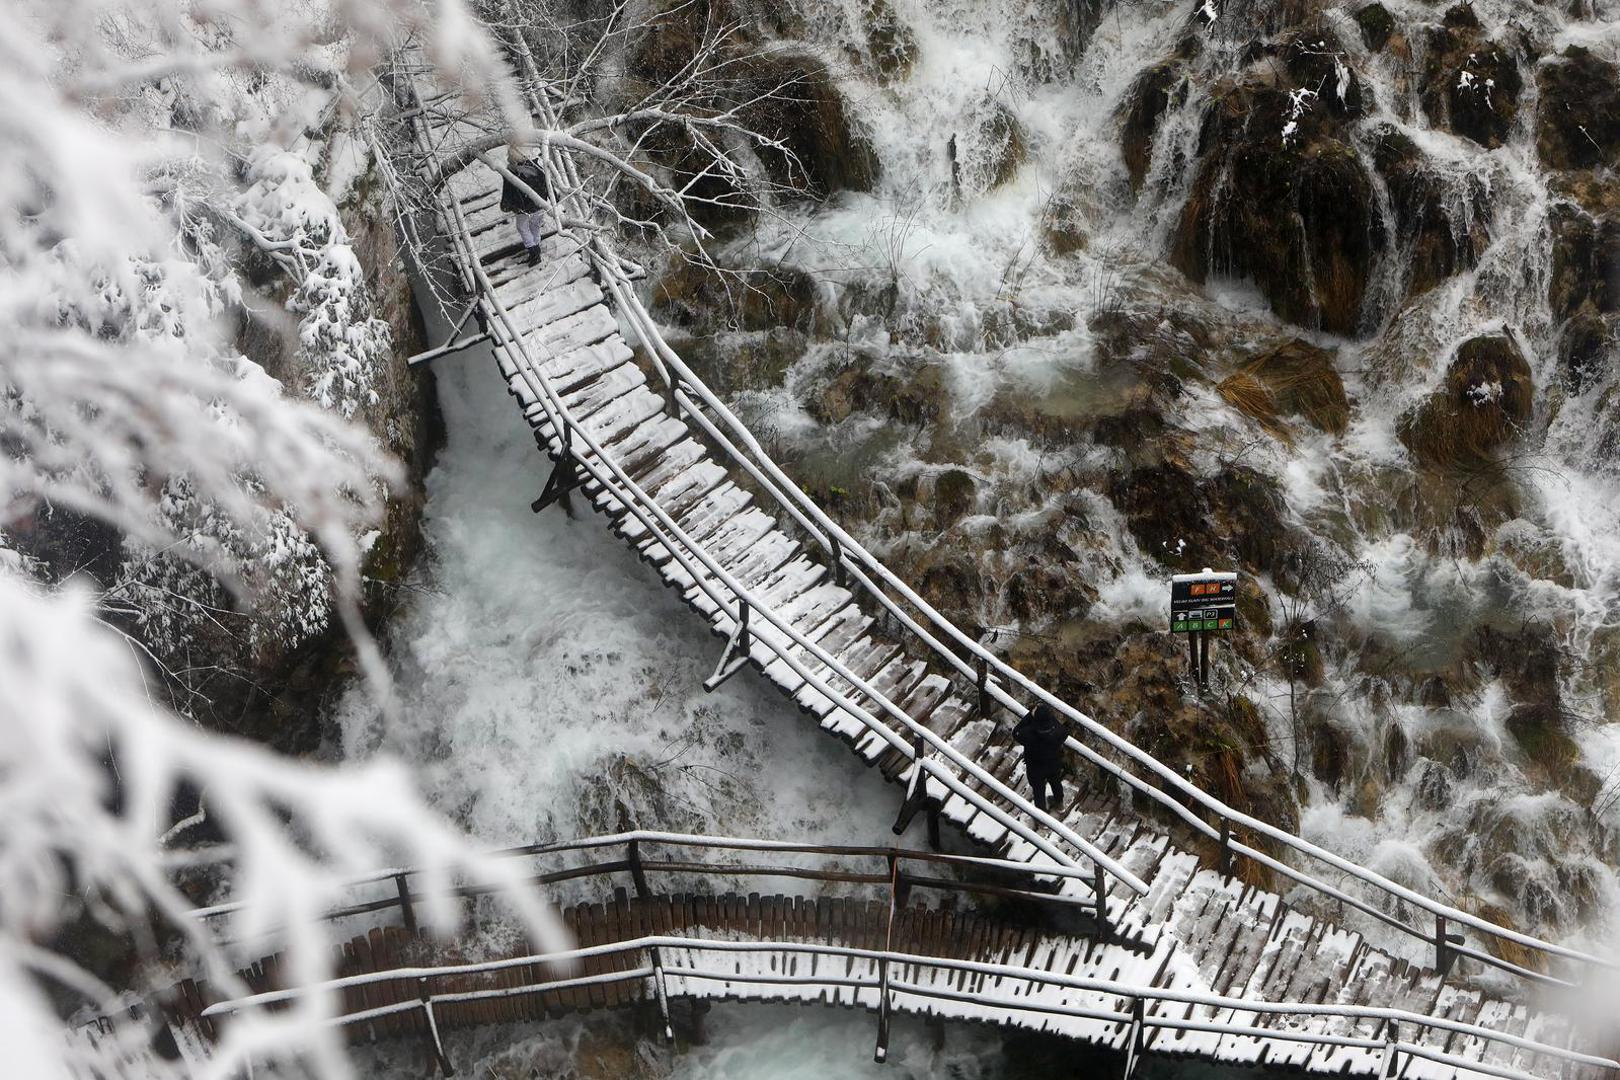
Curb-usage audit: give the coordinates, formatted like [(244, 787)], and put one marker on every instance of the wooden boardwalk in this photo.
[(879, 953), (672, 482)]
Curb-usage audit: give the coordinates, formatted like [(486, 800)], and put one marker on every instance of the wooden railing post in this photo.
[(1135, 1038), (1444, 955), (440, 1058), (1392, 1052), (1099, 889), (1226, 847), (406, 909), (672, 406), (880, 1054), (662, 991), (638, 873), (984, 687), (917, 797), (835, 553)]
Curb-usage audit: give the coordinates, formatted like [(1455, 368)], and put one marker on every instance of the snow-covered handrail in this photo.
[(1148, 995)]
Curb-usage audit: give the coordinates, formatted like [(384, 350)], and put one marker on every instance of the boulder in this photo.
[(1376, 25), (955, 494), (1438, 234), (914, 395), (1282, 200), (1585, 262), (1588, 354), (1186, 521), (1578, 111), (1470, 84), (692, 295), (824, 150), (1301, 380), (890, 46), (1154, 91), (987, 151), (1484, 402)]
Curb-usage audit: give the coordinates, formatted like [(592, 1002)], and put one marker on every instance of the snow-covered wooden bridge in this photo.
[(893, 938), (679, 478)]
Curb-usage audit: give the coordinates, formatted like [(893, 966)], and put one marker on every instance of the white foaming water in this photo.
[(552, 688), (954, 257)]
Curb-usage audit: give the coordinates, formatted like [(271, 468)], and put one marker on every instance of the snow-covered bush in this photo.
[(341, 344), (126, 403)]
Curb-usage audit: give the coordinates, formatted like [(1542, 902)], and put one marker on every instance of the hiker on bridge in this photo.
[(529, 214), (1041, 734)]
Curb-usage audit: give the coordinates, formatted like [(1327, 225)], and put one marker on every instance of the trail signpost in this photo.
[(1202, 604)]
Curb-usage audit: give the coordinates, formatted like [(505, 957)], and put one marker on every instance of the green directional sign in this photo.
[(1200, 603)]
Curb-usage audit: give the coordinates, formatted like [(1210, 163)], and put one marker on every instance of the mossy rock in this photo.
[(1585, 262), (824, 150), (1148, 99), (1470, 84), (1376, 25), (909, 395), (1485, 401), (955, 495), (1299, 379), (1298, 217), (891, 45), (1578, 111), (1299, 657), (692, 295), (1588, 352), (1188, 522)]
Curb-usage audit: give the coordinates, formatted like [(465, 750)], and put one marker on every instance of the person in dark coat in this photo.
[(527, 213), (1041, 734)]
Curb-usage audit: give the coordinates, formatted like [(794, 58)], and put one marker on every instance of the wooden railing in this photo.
[(1135, 1009), (642, 854)]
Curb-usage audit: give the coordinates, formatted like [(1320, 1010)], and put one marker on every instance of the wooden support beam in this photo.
[(565, 477), (406, 909), (737, 650)]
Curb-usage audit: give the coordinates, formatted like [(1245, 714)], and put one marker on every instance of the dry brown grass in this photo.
[(1244, 391), (1510, 951)]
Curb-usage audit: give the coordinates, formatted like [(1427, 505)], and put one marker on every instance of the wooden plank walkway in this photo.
[(562, 354), (956, 965)]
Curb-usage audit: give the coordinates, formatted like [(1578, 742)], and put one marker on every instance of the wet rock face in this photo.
[(829, 152), (793, 100), (1471, 85), (1295, 378), (1586, 352), (1486, 400), (989, 150), (1376, 24), (1234, 518), (1578, 112), (690, 295), (1154, 92), (1586, 262), (890, 46), (1297, 215), (1440, 232)]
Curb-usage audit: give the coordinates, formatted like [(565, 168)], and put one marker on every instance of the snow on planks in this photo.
[(1207, 933), (741, 948)]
